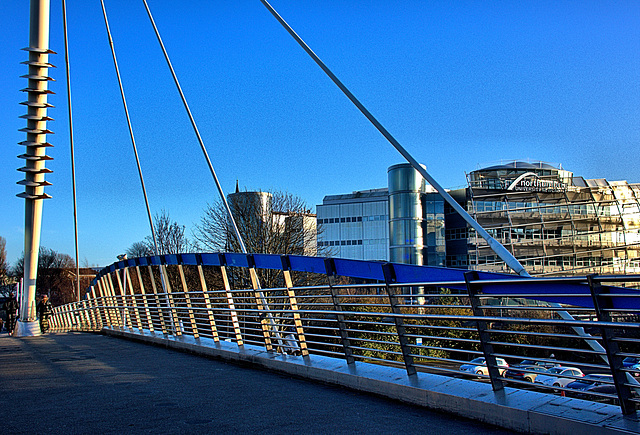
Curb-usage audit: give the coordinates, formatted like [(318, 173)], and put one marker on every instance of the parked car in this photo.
[(595, 383), (633, 363), (557, 376), (527, 373), (478, 366), (531, 362)]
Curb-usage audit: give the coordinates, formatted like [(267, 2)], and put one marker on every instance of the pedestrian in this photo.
[(11, 307), (44, 310)]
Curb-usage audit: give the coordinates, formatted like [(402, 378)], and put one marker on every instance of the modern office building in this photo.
[(403, 223), (553, 222)]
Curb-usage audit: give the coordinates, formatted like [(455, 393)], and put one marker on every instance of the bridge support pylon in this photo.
[(35, 158)]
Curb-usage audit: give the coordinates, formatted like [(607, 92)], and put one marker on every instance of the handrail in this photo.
[(423, 319)]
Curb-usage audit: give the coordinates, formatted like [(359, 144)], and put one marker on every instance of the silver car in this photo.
[(478, 366), (557, 376)]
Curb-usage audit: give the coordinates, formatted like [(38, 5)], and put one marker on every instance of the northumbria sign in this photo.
[(530, 182)]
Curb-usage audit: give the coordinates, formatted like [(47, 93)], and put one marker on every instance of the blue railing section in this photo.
[(569, 291)]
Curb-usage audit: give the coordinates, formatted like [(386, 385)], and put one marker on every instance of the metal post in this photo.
[(173, 313), (35, 157), (485, 337), (601, 305), (389, 278), (163, 325), (230, 302), (207, 301), (330, 268), (293, 303), (187, 298), (145, 301), (262, 307), (136, 310)]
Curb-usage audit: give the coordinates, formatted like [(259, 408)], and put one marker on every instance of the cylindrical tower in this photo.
[(406, 240)]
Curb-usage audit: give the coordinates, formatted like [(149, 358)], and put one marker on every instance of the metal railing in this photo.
[(423, 319)]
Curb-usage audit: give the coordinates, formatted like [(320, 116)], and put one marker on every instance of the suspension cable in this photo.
[(243, 248), (133, 140), (500, 250), (496, 246), (73, 164)]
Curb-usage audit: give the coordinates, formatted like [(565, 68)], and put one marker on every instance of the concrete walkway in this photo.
[(89, 383)]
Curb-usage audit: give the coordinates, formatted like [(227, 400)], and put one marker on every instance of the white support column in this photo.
[(35, 159)]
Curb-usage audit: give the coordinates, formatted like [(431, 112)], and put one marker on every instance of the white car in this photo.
[(557, 376), (478, 366)]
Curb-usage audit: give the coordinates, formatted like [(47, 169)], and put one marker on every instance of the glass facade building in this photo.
[(553, 222)]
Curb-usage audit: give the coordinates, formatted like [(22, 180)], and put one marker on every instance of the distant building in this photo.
[(291, 231), (402, 223), (553, 222)]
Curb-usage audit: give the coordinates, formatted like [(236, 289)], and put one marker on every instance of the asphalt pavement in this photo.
[(77, 383)]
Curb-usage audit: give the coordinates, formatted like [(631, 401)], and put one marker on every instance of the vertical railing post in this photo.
[(145, 300), (230, 302), (187, 298), (173, 312), (485, 337), (91, 311), (390, 278), (293, 303), (104, 303), (96, 306), (134, 302), (87, 324), (207, 300), (262, 309), (163, 325), (602, 305), (126, 315), (114, 298), (330, 268)]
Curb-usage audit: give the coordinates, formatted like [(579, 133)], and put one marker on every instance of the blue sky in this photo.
[(459, 84)]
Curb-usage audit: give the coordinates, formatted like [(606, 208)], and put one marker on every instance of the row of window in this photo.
[(340, 243), (573, 209), (569, 261), (381, 217)]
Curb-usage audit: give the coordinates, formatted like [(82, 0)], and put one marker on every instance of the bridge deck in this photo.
[(84, 383)]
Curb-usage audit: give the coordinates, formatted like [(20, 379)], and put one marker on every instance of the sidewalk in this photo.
[(89, 383)]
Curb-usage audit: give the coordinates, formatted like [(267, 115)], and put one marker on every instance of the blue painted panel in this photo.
[(359, 269), (144, 261), (131, 262), (170, 259), (121, 264), (112, 268), (155, 260), (412, 273), (268, 261), (238, 260), (300, 263), (210, 259), (189, 259)]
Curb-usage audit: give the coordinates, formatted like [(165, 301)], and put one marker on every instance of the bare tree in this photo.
[(169, 235), (4, 266), (139, 249), (269, 223), (56, 275)]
